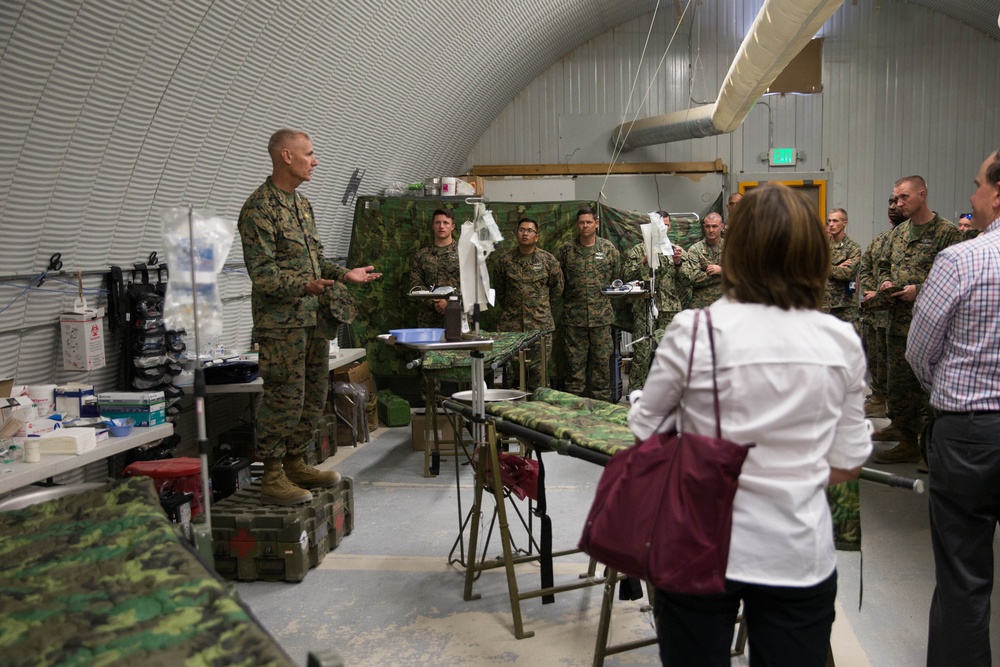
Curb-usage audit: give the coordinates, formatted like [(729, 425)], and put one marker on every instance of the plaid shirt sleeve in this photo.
[(933, 311)]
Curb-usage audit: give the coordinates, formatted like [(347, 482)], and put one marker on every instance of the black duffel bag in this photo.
[(232, 372)]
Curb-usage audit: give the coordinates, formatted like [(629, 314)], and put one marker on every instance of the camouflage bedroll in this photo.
[(603, 427), (101, 578)]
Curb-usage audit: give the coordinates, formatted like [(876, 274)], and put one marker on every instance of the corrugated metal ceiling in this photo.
[(115, 110), (980, 14)]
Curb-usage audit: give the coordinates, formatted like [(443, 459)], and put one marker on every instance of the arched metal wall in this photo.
[(113, 111)]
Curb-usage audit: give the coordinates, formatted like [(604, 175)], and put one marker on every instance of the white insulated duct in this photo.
[(782, 28)]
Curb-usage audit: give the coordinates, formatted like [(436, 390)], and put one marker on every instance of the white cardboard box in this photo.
[(130, 397), (83, 339)]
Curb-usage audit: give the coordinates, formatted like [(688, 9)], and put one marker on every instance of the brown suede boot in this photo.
[(276, 489), (307, 476), (875, 407), (890, 433), (907, 451)]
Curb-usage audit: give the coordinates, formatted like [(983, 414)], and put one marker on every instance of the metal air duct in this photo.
[(779, 32)]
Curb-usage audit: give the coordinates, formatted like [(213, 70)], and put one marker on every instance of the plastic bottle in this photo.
[(453, 320)]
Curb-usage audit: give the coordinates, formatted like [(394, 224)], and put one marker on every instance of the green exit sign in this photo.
[(782, 157)]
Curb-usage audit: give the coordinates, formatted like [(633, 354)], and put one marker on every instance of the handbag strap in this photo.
[(715, 383)]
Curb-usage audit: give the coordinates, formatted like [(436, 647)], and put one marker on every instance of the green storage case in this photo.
[(252, 541), (393, 410)]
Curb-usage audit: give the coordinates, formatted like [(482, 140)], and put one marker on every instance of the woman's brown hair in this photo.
[(777, 252)]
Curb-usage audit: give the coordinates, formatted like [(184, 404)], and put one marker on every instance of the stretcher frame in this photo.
[(432, 451), (490, 481)]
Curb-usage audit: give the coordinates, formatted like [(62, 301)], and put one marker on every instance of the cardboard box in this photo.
[(70, 398), (152, 415), (420, 431), (476, 182), (358, 372), (36, 427), (130, 397), (83, 339)]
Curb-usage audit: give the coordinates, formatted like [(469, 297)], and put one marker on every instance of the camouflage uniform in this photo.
[(526, 287), (705, 289), (874, 322), (671, 283), (587, 314), (841, 299), (434, 266), (909, 254), (282, 251)]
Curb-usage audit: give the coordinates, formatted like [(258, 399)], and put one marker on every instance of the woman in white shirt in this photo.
[(791, 380)]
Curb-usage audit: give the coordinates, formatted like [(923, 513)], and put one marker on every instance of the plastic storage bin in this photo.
[(418, 335), (181, 475)]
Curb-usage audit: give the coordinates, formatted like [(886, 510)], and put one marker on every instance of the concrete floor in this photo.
[(387, 596)]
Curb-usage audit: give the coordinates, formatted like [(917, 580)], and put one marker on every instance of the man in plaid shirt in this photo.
[(954, 349)]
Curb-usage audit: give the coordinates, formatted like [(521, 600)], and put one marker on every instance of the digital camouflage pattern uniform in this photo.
[(705, 289), (282, 251), (841, 299), (907, 259), (526, 287), (434, 266), (671, 283), (874, 322), (587, 314)]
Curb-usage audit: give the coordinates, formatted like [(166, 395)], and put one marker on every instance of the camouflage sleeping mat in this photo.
[(600, 429), (594, 425), (101, 578), (455, 365)]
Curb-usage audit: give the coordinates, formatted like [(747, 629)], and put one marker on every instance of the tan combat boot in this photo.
[(890, 433), (276, 489), (307, 476), (875, 407), (907, 451)]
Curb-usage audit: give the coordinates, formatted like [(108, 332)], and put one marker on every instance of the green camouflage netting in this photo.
[(101, 578), (388, 231)]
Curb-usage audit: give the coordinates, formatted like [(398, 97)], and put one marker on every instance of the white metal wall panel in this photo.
[(906, 90)]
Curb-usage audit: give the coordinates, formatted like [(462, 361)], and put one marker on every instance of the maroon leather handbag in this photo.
[(663, 510)]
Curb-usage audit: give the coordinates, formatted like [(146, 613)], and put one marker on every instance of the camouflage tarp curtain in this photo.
[(388, 231)]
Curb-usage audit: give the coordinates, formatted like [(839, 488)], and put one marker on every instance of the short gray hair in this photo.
[(281, 137)]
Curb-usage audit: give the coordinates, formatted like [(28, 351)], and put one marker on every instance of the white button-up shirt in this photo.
[(791, 381)]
